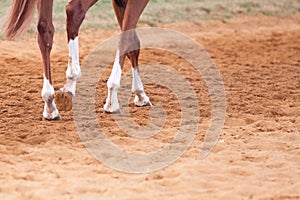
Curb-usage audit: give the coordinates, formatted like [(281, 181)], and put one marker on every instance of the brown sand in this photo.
[(257, 156)]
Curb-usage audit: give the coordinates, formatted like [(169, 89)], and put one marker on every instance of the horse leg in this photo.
[(113, 84), (45, 41), (141, 99), (112, 105), (75, 11), (131, 38), (127, 18)]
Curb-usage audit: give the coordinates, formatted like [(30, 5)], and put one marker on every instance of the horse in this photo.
[(127, 13)]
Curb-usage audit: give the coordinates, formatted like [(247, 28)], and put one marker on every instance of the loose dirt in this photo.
[(256, 157)]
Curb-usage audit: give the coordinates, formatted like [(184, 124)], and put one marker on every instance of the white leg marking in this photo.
[(73, 71), (50, 110), (47, 91), (113, 84), (141, 99)]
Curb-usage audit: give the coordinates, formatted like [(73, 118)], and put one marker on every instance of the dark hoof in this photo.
[(148, 104)]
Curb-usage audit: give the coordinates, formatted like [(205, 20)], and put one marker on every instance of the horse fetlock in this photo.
[(47, 97), (70, 87), (47, 91), (50, 110), (113, 85), (73, 71), (137, 91)]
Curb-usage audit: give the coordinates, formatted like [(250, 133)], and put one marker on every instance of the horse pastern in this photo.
[(67, 91)]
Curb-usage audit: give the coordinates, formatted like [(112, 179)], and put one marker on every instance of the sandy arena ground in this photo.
[(257, 156)]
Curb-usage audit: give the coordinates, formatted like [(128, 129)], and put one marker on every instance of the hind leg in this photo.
[(127, 18), (113, 84), (75, 11), (130, 43), (141, 99), (45, 40)]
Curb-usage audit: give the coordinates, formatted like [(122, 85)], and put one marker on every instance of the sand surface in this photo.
[(257, 155)]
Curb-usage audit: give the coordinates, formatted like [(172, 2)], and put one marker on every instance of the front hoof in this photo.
[(64, 101), (109, 109), (113, 112), (67, 91), (142, 103), (51, 117)]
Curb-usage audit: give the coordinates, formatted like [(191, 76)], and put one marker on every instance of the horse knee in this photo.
[(70, 10), (46, 33), (130, 44), (75, 16)]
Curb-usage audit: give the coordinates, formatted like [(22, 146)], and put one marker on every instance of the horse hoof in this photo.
[(113, 112), (145, 104), (142, 100), (64, 101), (63, 90), (50, 118), (148, 104), (57, 118)]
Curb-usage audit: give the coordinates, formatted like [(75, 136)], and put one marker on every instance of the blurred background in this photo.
[(101, 16)]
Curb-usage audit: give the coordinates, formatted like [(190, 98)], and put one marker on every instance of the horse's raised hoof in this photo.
[(64, 100), (63, 90), (69, 87)]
